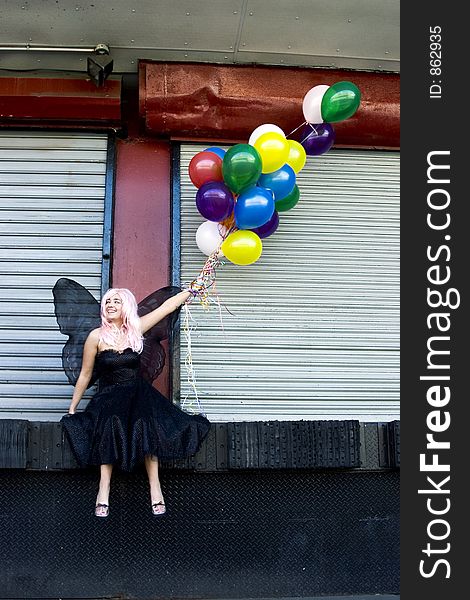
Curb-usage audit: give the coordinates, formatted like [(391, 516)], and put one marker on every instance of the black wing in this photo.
[(77, 313), (152, 359)]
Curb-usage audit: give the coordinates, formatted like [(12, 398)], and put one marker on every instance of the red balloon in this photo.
[(204, 167)]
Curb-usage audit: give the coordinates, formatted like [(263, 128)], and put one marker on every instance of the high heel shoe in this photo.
[(158, 508), (101, 510)]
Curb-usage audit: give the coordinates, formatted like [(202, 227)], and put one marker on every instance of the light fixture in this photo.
[(99, 65)]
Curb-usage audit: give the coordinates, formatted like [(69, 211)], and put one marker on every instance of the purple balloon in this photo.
[(214, 201), (317, 139), (268, 228)]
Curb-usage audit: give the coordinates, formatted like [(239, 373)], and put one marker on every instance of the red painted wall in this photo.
[(59, 101), (142, 225)]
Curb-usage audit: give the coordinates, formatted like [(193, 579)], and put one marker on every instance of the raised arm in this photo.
[(152, 318), (89, 354)]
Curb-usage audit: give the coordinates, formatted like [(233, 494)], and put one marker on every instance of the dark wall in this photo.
[(244, 534)]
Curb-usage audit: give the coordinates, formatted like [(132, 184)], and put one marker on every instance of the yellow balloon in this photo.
[(242, 247), (273, 149), (297, 156)]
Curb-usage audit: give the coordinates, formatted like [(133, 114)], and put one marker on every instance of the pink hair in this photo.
[(110, 334)]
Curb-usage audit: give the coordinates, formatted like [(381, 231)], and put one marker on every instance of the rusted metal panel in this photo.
[(53, 101), (215, 102)]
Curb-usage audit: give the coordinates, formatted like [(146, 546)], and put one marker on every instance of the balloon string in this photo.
[(191, 374), (294, 130), (202, 288), (228, 227), (307, 136)]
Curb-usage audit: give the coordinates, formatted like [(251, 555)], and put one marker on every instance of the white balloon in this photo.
[(266, 128), (209, 237), (311, 104)]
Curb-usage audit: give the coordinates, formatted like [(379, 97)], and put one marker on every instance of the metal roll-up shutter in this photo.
[(314, 326), (52, 190)]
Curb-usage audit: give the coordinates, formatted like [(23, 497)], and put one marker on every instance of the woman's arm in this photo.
[(152, 318), (89, 353)]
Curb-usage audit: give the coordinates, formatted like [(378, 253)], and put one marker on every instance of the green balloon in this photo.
[(289, 201), (340, 101), (241, 167)]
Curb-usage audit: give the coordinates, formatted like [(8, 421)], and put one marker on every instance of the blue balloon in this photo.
[(254, 207), (280, 182), (216, 150)]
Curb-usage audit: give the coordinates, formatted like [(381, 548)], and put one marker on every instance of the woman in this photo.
[(128, 421)]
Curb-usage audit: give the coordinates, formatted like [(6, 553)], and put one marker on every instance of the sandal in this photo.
[(101, 510), (158, 508)]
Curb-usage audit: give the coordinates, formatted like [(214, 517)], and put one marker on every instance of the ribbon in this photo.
[(188, 361)]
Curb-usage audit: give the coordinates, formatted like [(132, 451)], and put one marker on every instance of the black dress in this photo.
[(129, 419)]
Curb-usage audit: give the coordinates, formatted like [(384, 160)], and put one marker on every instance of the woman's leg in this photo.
[(103, 492), (156, 496)]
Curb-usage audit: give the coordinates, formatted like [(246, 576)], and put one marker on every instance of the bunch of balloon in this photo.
[(242, 191), (282, 159), (222, 178), (323, 105), (268, 186)]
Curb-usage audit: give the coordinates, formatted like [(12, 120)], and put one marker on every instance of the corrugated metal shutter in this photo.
[(52, 189), (314, 332)]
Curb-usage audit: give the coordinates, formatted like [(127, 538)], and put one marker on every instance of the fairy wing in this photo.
[(152, 359), (77, 313)]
